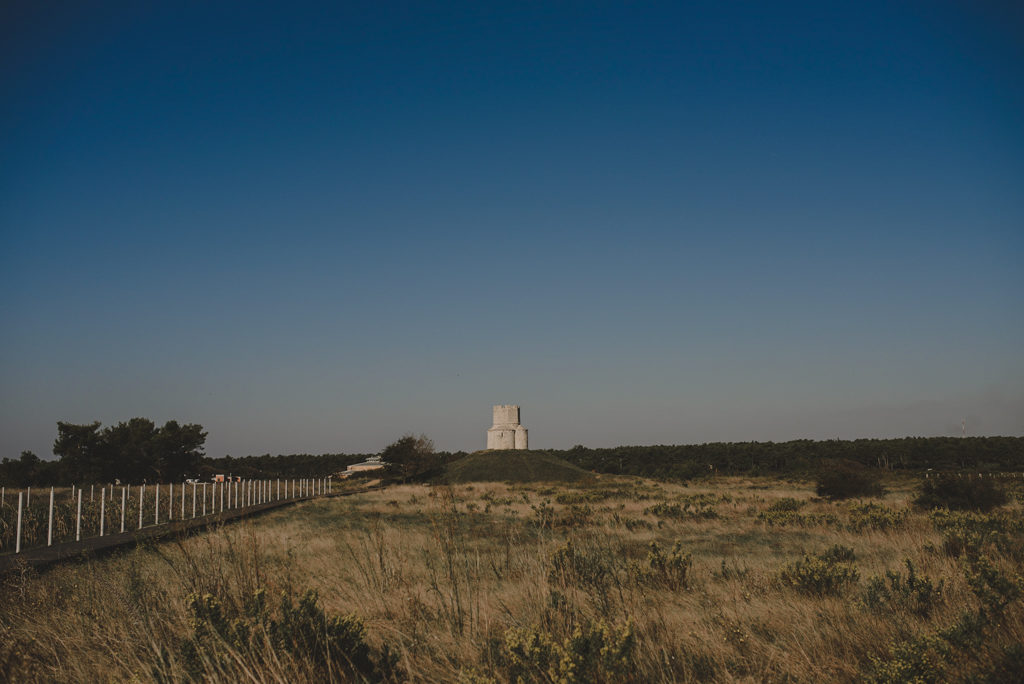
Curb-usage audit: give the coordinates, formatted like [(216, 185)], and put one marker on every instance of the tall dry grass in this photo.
[(620, 580)]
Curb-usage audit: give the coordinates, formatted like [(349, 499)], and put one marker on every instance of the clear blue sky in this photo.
[(315, 227)]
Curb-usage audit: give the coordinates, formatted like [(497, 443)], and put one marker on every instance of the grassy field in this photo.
[(609, 580)]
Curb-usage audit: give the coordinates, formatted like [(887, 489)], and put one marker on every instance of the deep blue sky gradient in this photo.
[(316, 227)]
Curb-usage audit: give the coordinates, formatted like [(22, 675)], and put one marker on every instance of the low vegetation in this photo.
[(972, 493), (604, 579)]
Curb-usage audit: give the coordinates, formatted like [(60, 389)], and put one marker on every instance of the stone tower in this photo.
[(506, 433)]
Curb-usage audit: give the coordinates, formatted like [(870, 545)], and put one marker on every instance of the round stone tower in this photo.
[(507, 433)]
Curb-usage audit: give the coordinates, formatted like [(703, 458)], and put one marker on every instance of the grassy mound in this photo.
[(513, 466)]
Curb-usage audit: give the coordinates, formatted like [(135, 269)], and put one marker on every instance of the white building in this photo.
[(506, 433), (372, 463)]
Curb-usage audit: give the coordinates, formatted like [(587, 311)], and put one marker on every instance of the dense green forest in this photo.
[(803, 456), (138, 450)]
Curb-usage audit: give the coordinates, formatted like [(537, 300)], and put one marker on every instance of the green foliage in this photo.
[(697, 507), (787, 504), (131, 451), (594, 652), (410, 457), (791, 518), (917, 661), (916, 594), (970, 534), (513, 466), (994, 588), (669, 570), (875, 517), (331, 646), (595, 495), (837, 553), (843, 479), (571, 566), (800, 456), (822, 574), (963, 494)]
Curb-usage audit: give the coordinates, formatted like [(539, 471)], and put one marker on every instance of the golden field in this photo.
[(615, 580)]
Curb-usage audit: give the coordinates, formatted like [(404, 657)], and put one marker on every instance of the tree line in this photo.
[(138, 450), (982, 454)]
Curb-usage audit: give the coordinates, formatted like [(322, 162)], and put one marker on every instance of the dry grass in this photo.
[(449, 578)]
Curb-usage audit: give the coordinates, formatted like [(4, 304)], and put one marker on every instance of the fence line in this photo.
[(88, 517)]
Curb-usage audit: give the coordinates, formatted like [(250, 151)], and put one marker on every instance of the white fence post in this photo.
[(170, 502), (222, 496), (103, 509), (142, 493), (182, 500), (28, 497), (17, 537), (204, 498), (156, 506), (193, 500), (91, 488), (49, 527), (3, 495), (124, 497), (78, 523)]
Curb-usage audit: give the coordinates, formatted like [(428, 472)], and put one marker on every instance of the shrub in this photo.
[(966, 533), (994, 588), (595, 652), (875, 516), (841, 479), (667, 570), (918, 661), (786, 504), (819, 575), (916, 594), (838, 553), (570, 566), (688, 510), (786, 518), (959, 494), (334, 645)]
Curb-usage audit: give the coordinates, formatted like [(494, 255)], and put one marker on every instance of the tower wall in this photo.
[(501, 438), (506, 414), (506, 433), (521, 438)]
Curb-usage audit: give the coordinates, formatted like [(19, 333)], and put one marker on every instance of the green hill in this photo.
[(513, 466)]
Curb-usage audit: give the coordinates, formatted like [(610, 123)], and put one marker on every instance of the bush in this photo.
[(570, 566), (666, 570), (918, 594), (689, 510), (334, 646), (921, 660), (595, 652), (841, 479), (875, 516), (966, 533), (820, 575), (959, 494)]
